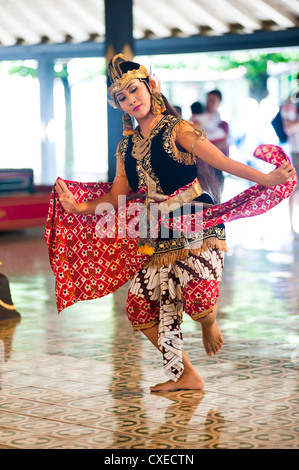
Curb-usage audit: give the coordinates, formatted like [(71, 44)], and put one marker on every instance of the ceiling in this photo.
[(31, 22)]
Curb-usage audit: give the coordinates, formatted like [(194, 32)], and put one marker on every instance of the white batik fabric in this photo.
[(166, 284)]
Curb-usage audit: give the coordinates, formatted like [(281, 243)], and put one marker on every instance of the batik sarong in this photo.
[(159, 295)]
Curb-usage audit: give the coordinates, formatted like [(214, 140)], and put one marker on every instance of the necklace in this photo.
[(142, 146)]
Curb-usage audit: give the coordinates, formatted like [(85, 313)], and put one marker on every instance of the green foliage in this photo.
[(18, 68), (255, 64), (75, 69)]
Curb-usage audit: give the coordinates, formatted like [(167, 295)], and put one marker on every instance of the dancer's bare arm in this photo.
[(119, 187), (206, 151)]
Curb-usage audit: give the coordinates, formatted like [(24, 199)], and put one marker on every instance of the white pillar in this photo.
[(48, 153)]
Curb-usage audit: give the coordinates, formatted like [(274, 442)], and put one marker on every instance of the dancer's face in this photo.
[(135, 99)]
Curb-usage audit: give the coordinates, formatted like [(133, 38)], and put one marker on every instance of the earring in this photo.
[(128, 128), (158, 105)]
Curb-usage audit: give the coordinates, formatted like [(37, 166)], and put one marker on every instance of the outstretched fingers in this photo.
[(61, 187), (288, 170), (65, 196)]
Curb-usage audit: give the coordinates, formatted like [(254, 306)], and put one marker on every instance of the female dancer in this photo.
[(162, 152)]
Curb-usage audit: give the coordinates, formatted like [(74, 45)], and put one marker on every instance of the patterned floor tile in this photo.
[(64, 431), (64, 414), (111, 440), (16, 405), (43, 411), (271, 407), (276, 395), (38, 426), (8, 419), (110, 423), (41, 395), (149, 444), (187, 419), (278, 439), (24, 440), (66, 444), (270, 422), (233, 443), (273, 382), (235, 388)]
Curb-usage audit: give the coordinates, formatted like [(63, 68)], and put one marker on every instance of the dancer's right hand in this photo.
[(66, 198)]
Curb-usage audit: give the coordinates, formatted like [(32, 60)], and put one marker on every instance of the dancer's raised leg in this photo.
[(211, 335)]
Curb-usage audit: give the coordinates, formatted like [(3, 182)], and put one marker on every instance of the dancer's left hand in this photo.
[(280, 175)]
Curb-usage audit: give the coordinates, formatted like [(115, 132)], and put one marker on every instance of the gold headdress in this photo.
[(120, 71)]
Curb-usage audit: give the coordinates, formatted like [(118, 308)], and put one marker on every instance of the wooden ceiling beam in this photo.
[(93, 22), (275, 13), (6, 38), (167, 16), (19, 28), (292, 5), (201, 16), (241, 13), (70, 27), (36, 22), (144, 19)]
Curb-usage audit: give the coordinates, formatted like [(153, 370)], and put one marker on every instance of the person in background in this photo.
[(290, 119), (217, 131), (178, 110), (197, 109)]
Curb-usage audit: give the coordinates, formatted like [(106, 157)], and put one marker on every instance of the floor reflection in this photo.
[(7, 331), (81, 379)]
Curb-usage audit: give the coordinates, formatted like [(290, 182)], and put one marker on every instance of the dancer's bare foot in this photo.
[(187, 381), (212, 338)]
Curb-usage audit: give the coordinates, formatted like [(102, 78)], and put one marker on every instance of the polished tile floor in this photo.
[(81, 380)]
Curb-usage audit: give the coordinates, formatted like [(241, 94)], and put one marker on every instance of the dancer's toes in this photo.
[(212, 338), (185, 382), (163, 387)]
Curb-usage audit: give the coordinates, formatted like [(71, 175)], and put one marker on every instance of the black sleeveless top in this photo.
[(171, 168)]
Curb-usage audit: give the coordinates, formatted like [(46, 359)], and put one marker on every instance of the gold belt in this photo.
[(183, 197)]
